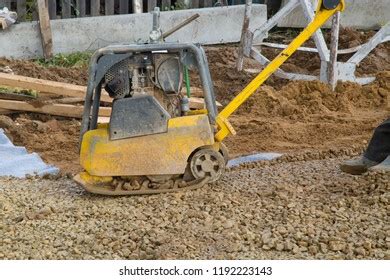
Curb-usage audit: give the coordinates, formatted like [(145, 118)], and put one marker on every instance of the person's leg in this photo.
[(377, 151), (379, 147)]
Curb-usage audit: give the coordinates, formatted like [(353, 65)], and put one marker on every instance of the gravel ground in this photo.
[(306, 209)]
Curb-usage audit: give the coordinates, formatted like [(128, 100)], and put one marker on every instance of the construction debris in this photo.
[(64, 110), (6, 69), (57, 88), (7, 18)]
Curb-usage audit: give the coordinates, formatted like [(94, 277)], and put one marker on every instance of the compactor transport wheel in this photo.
[(207, 163)]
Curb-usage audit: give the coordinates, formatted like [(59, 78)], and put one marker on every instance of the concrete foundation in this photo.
[(214, 26), (360, 14)]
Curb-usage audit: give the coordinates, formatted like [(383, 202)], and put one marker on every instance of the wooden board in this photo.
[(69, 100), (45, 86), (207, 3), (45, 29), (165, 5), (21, 9), (195, 91), (66, 9), (6, 112), (109, 7), (81, 8), (52, 9), (3, 24), (123, 6), (151, 5), (64, 110), (95, 8), (198, 103), (195, 4)]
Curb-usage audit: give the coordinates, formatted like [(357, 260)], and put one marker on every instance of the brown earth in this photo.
[(282, 116)]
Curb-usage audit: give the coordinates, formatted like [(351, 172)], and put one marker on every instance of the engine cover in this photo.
[(137, 116)]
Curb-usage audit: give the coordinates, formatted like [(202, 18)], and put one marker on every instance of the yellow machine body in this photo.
[(155, 154)]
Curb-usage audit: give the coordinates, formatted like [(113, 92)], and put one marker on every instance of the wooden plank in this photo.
[(6, 3), (334, 47), (65, 8), (207, 3), (165, 5), (6, 112), (69, 100), (103, 119), (21, 9), (195, 4), (245, 42), (52, 9), (123, 7), (45, 29), (151, 5), (3, 24), (64, 110), (198, 103), (95, 8), (47, 86), (109, 7), (80, 5), (195, 91), (35, 15)]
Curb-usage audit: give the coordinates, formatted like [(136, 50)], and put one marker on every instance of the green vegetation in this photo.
[(179, 5), (27, 92), (78, 59)]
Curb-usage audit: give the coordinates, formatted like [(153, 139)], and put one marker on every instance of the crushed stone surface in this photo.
[(296, 207)]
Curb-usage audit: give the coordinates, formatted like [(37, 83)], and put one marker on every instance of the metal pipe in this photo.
[(156, 18), (96, 106), (156, 34), (180, 25)]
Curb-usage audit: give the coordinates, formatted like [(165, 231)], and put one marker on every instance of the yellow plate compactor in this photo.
[(154, 143)]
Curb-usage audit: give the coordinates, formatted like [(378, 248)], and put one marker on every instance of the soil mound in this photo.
[(76, 75), (302, 98)]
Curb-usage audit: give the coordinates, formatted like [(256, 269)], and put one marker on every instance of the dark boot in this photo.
[(357, 166)]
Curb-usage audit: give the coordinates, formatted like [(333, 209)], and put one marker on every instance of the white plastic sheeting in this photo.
[(252, 158), (17, 162)]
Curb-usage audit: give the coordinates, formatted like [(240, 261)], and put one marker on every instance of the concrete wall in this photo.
[(361, 14), (214, 26)]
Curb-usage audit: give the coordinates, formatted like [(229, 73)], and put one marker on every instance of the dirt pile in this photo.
[(306, 209), (76, 75), (55, 140), (301, 98)]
